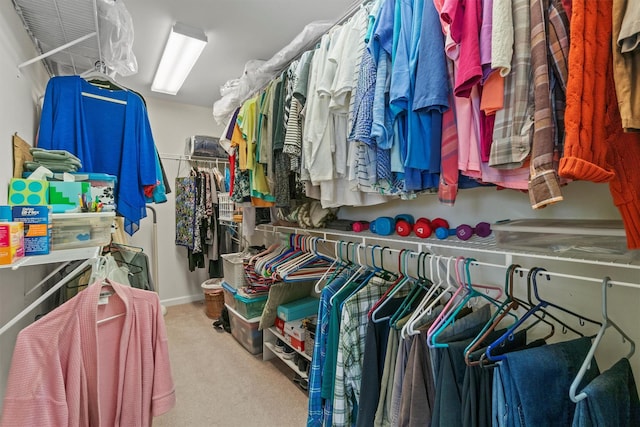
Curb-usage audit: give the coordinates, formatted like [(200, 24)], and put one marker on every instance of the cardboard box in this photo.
[(294, 334), (5, 213), (37, 228), (296, 329), (102, 186), (280, 325), (11, 242), (65, 196), (28, 192)]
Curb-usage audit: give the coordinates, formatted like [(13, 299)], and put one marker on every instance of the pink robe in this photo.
[(69, 370)]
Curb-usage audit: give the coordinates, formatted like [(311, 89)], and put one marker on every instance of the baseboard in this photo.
[(182, 300)]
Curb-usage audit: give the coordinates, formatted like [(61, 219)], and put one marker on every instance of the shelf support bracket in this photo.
[(57, 49)]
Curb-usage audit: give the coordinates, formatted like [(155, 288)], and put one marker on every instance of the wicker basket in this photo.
[(309, 339), (233, 265), (225, 207)]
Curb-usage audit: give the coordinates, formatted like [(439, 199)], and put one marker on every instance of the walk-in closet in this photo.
[(368, 213)]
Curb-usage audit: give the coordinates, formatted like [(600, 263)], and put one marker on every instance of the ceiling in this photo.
[(238, 31)]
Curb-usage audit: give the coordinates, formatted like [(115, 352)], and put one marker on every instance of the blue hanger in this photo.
[(507, 306)]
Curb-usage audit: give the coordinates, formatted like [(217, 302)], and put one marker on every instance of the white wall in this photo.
[(18, 113), (171, 124), (582, 200)]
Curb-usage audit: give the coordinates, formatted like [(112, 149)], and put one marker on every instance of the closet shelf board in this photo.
[(269, 352), (63, 255), (277, 334)]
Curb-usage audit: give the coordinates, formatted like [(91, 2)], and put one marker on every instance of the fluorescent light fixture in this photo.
[(183, 48)]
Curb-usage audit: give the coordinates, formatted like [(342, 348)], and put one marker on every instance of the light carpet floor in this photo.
[(219, 383)]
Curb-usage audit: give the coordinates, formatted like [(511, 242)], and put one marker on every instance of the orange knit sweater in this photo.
[(596, 148)]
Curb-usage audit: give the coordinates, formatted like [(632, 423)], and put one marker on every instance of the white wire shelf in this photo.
[(432, 244), (57, 256), (65, 32)]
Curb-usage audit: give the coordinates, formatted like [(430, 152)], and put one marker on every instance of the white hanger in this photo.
[(326, 273), (587, 361), (420, 309), (105, 282), (98, 73), (95, 73), (410, 327)]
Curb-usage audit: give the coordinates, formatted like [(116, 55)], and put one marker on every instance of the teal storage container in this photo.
[(298, 309), (229, 295), (250, 307)]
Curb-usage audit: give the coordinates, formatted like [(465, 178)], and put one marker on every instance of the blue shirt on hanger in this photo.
[(109, 132)]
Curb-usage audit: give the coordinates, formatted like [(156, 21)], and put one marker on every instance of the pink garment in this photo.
[(485, 35), (469, 160), (451, 14), (469, 134), (69, 370), (448, 184), (469, 71)]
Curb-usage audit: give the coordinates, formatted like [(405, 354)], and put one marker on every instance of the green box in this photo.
[(28, 192), (65, 196)]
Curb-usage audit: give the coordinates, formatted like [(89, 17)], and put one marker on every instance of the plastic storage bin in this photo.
[(229, 295), (589, 239), (250, 306), (79, 230), (233, 265), (225, 207), (245, 331), (298, 309)]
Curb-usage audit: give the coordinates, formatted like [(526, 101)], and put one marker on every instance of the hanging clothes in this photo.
[(73, 119), (612, 399), (70, 368)]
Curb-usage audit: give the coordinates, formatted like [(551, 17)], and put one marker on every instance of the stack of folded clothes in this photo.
[(54, 160)]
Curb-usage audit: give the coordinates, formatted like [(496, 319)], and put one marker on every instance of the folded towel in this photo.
[(52, 154), (53, 167)]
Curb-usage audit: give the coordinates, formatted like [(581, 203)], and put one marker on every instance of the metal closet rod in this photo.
[(483, 264), (193, 159), (42, 298), (344, 18)]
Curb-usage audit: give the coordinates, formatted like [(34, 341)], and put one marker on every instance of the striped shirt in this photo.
[(315, 415), (544, 188), (351, 350), (514, 123)]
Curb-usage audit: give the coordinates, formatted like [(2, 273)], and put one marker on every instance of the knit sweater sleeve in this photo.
[(585, 155), (596, 148)]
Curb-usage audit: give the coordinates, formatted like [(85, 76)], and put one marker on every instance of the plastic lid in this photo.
[(249, 299), (229, 288), (211, 284)]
